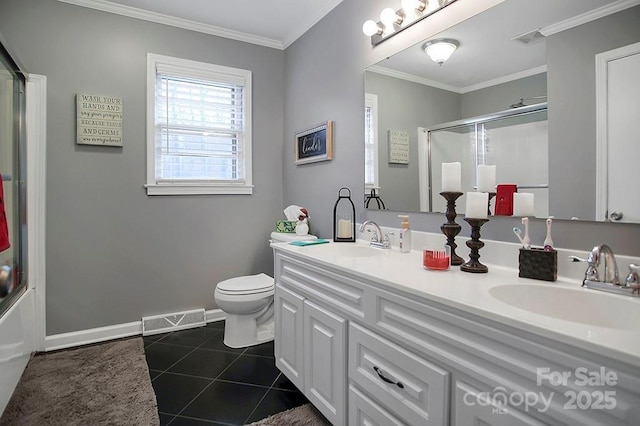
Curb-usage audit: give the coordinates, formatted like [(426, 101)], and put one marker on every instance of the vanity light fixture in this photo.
[(393, 21), (439, 50)]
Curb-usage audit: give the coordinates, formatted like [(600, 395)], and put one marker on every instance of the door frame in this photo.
[(602, 175), (36, 105)]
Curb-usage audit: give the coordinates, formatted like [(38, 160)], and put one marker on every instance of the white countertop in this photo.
[(471, 292)]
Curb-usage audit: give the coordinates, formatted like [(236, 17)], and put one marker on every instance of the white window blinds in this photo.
[(200, 128), (370, 141)]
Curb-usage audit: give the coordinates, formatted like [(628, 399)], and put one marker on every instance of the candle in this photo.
[(486, 178), (451, 177), (477, 203), (344, 228), (523, 204)]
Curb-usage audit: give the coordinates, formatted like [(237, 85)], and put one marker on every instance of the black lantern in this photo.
[(344, 218)]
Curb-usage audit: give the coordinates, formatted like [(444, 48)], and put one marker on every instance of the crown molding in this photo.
[(186, 24), (460, 90), (598, 13), (306, 25), (412, 77), (504, 79)]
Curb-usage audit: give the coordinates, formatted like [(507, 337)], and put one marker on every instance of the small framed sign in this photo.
[(315, 144), (398, 147), (99, 120)]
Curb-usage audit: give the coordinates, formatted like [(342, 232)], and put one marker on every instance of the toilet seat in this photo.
[(251, 284)]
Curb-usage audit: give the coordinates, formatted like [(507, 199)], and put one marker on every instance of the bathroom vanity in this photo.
[(370, 337)]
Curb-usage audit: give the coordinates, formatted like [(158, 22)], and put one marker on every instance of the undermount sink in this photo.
[(578, 305), (344, 250)]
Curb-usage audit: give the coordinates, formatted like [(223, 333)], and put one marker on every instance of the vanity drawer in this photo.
[(342, 293), (412, 388), (365, 412)]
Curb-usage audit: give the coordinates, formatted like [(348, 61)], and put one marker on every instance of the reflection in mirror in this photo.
[(516, 53), (514, 141)]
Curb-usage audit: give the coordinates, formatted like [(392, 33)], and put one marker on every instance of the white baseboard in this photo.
[(111, 332), (215, 315)]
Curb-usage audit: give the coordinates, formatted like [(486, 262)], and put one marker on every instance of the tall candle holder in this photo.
[(473, 265), (451, 228), (491, 195)]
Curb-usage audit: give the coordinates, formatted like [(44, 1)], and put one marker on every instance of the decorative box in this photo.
[(538, 264), (288, 226)]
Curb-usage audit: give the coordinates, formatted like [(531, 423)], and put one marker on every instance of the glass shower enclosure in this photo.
[(515, 141), (13, 233)]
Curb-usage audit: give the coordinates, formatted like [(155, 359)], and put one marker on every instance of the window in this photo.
[(198, 128), (371, 141)]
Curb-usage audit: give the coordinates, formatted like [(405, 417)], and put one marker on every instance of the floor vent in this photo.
[(170, 322)]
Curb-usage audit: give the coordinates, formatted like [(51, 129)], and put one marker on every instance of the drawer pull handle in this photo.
[(386, 379)]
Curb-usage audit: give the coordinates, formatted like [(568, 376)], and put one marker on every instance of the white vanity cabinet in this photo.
[(367, 353), (310, 351)]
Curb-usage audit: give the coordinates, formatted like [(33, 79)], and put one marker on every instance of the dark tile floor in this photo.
[(200, 381)]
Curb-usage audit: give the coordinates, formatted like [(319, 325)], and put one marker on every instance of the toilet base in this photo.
[(241, 331)]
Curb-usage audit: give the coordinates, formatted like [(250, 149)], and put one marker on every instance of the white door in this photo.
[(618, 134), (325, 368)]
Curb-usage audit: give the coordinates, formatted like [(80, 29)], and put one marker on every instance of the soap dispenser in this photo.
[(405, 234)]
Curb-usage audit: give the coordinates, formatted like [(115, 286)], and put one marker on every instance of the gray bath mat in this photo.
[(105, 384)]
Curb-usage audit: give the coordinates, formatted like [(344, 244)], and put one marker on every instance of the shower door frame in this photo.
[(474, 121)]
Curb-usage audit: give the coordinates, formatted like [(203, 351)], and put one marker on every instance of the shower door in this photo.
[(12, 170)]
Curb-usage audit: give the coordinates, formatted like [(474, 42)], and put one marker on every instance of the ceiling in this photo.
[(272, 23), (487, 54)]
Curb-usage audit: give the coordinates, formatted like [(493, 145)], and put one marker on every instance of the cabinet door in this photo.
[(365, 412), (288, 335), (473, 409), (325, 362)]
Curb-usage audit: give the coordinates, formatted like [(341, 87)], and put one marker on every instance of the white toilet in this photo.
[(248, 303)]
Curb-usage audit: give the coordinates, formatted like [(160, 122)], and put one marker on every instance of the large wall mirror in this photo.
[(545, 90)]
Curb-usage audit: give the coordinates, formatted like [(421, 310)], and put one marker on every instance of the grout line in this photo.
[(209, 385)]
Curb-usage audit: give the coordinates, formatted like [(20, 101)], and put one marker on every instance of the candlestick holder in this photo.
[(491, 195), (473, 265), (451, 228)]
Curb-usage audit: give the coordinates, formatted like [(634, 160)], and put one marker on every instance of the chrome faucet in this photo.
[(602, 257), (377, 239), (605, 253)]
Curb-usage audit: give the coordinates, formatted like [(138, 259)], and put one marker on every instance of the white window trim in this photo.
[(371, 100), (191, 188)]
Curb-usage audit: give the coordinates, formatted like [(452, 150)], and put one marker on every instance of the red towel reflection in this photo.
[(4, 230)]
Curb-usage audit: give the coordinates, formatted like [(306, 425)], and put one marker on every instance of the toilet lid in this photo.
[(247, 284)]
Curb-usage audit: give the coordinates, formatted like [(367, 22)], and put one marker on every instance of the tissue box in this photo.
[(538, 264), (288, 226)]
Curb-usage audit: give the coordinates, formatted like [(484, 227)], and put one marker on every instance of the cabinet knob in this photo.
[(386, 379)]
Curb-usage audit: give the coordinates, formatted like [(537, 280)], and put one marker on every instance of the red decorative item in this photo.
[(4, 231), (504, 199)]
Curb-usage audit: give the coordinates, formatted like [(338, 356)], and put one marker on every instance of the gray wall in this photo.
[(500, 97), (572, 111), (115, 254), (405, 105), (324, 80)]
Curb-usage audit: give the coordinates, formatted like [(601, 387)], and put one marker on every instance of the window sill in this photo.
[(181, 189)]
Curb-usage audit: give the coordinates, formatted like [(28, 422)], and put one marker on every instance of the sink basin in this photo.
[(578, 305), (344, 250)]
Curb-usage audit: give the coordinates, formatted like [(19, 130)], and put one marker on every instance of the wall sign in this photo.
[(398, 147), (315, 144), (99, 120)]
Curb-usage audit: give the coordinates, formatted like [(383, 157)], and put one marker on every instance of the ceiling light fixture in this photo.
[(413, 5), (440, 50), (393, 21)]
